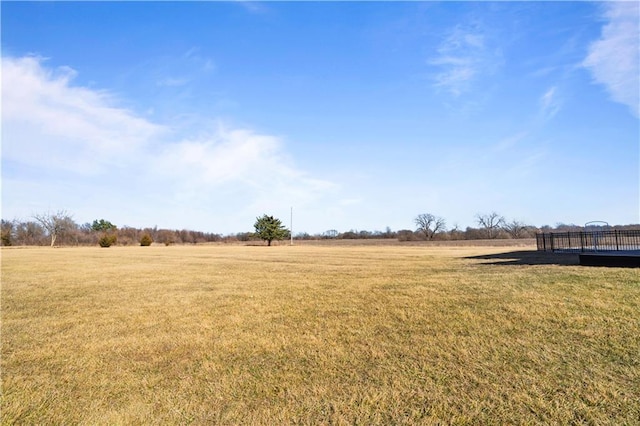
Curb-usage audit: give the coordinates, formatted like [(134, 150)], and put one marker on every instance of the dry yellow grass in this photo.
[(315, 335)]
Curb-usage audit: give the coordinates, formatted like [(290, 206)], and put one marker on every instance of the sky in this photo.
[(351, 115)]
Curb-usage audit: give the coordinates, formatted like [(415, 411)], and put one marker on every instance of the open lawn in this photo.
[(316, 335)]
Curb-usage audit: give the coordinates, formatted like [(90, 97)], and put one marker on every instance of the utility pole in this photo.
[(291, 225)]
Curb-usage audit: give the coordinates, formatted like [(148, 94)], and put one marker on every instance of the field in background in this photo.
[(498, 242), (316, 334)]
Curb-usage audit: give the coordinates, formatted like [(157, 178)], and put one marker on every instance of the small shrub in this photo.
[(107, 240), (5, 240), (146, 240)]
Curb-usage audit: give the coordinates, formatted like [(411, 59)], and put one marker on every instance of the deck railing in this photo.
[(584, 241)]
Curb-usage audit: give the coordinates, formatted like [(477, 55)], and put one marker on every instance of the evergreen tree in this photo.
[(269, 228)]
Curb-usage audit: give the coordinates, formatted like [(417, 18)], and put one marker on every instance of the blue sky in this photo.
[(359, 115)]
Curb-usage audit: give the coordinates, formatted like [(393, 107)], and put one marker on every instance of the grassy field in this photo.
[(316, 335)]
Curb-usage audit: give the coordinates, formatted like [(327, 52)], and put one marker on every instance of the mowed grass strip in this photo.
[(314, 335)]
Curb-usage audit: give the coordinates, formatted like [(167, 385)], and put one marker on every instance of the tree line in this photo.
[(59, 228), (431, 227)]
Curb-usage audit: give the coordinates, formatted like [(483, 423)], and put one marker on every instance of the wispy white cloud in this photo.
[(82, 137), (226, 155), (198, 61), (238, 163), (179, 70), (550, 103), (172, 81), (462, 58), (49, 123), (614, 59), (510, 142), (254, 7)]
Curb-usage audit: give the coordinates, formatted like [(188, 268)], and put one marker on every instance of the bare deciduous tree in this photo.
[(55, 223), (29, 233), (515, 229), (491, 223), (331, 233), (429, 224)]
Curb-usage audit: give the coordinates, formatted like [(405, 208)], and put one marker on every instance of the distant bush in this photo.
[(146, 240), (107, 240), (7, 229), (407, 235), (166, 237)]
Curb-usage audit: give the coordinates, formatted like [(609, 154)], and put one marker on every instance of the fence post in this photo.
[(617, 244)]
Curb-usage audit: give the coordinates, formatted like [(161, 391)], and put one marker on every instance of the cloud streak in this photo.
[(462, 58), (614, 58), (550, 103)]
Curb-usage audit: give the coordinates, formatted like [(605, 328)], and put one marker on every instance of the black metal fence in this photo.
[(582, 241)]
